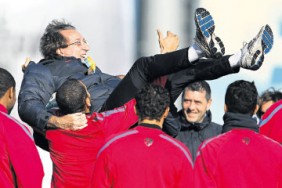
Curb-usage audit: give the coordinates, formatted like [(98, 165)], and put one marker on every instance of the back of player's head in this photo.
[(71, 96), (241, 97), (6, 81), (151, 102)]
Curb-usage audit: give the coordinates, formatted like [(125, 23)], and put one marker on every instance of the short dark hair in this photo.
[(6, 81), (71, 96), (270, 94), (151, 102), (241, 97), (198, 86), (52, 39)]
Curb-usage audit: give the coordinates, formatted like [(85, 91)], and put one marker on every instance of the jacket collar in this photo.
[(195, 126), (236, 120), (58, 58)]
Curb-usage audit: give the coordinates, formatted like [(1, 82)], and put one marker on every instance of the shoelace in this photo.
[(249, 45), (201, 43)]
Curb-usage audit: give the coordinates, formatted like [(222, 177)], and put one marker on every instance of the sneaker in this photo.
[(267, 39), (253, 52), (205, 38)]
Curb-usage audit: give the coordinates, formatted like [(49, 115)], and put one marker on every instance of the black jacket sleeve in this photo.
[(36, 90)]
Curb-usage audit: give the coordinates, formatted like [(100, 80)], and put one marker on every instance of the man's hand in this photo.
[(26, 63), (168, 44), (120, 76), (75, 121)]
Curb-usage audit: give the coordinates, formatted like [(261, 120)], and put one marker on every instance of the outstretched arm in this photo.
[(168, 44), (68, 122)]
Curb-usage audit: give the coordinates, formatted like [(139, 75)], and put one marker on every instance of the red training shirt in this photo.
[(20, 164), (74, 152), (143, 157)]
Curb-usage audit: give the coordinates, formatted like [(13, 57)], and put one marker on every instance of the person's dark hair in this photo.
[(52, 39), (151, 102), (241, 97), (6, 81), (198, 86), (270, 94), (71, 97)]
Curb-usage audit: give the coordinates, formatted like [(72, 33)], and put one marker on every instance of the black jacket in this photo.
[(193, 134), (43, 79)]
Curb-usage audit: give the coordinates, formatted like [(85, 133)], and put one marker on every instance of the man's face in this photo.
[(12, 101), (77, 45), (195, 105), (265, 106)]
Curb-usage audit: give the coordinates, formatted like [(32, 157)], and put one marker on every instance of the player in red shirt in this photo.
[(145, 156), (20, 163), (73, 153), (270, 124), (241, 157)]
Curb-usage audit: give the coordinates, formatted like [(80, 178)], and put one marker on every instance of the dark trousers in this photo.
[(179, 70), (144, 71), (172, 70)]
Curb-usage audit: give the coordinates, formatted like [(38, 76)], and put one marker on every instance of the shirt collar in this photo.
[(3, 109), (150, 126)]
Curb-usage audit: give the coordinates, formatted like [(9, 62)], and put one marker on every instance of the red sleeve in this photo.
[(280, 175), (203, 176), (23, 155), (102, 177), (118, 119)]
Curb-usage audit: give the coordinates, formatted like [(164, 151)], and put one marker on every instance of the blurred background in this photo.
[(120, 31)]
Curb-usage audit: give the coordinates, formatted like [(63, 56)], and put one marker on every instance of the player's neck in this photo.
[(154, 121)]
